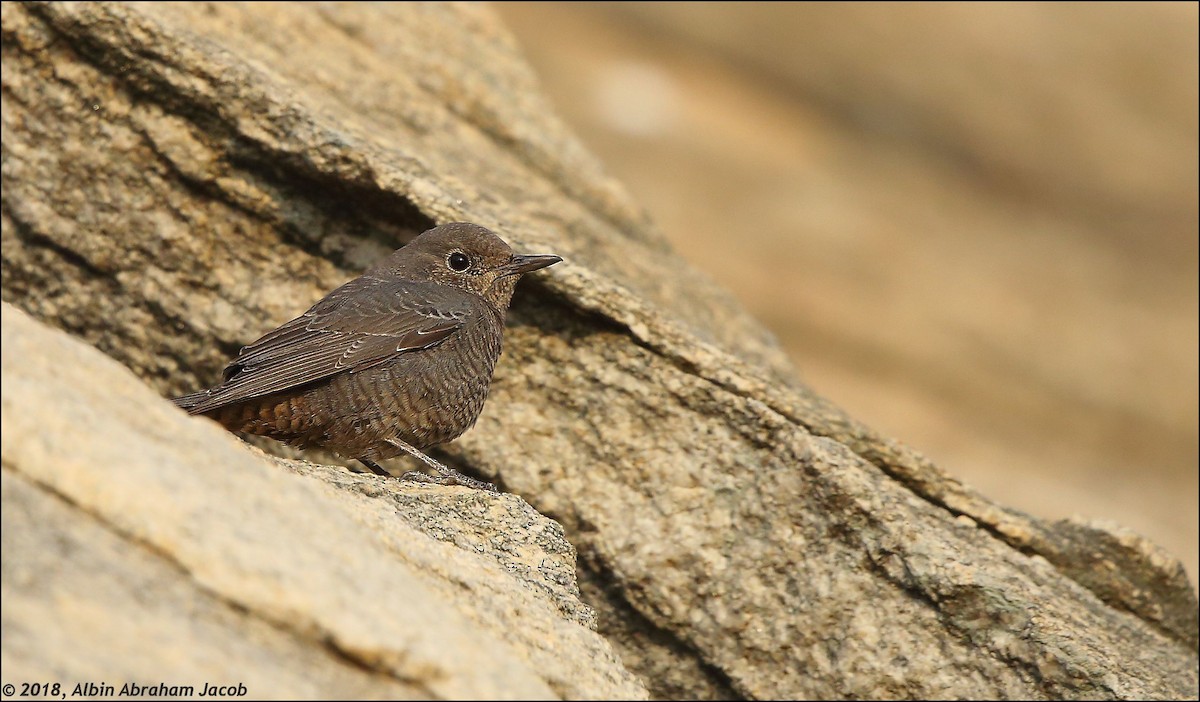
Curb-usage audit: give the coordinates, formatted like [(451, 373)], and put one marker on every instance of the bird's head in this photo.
[(465, 256)]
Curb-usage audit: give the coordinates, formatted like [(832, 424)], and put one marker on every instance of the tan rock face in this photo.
[(179, 178), (207, 562), (973, 227)]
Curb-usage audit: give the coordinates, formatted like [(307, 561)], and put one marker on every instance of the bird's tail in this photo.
[(189, 402)]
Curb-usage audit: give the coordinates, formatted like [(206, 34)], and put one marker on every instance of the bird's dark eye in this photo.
[(458, 261)]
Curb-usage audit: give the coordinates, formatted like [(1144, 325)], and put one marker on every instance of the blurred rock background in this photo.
[(973, 226)]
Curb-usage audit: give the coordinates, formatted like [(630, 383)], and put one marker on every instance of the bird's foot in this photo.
[(374, 467), (451, 477), (445, 476)]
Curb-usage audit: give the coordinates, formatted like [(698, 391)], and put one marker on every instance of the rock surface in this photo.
[(204, 562), (974, 229), (178, 178)]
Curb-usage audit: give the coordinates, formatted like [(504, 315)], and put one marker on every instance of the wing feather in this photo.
[(365, 322)]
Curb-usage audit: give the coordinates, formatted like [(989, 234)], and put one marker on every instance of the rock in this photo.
[(205, 562), (905, 276), (996, 87), (738, 535), (83, 602), (528, 546)]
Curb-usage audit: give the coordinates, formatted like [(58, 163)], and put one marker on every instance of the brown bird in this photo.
[(394, 361)]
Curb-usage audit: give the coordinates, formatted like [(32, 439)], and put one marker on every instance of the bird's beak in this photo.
[(521, 264)]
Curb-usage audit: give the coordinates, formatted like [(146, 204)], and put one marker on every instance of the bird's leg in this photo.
[(375, 468), (446, 475)]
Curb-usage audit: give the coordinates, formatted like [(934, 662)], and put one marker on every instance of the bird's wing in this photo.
[(361, 324)]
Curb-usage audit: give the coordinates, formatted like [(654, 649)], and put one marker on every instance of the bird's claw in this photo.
[(451, 477)]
